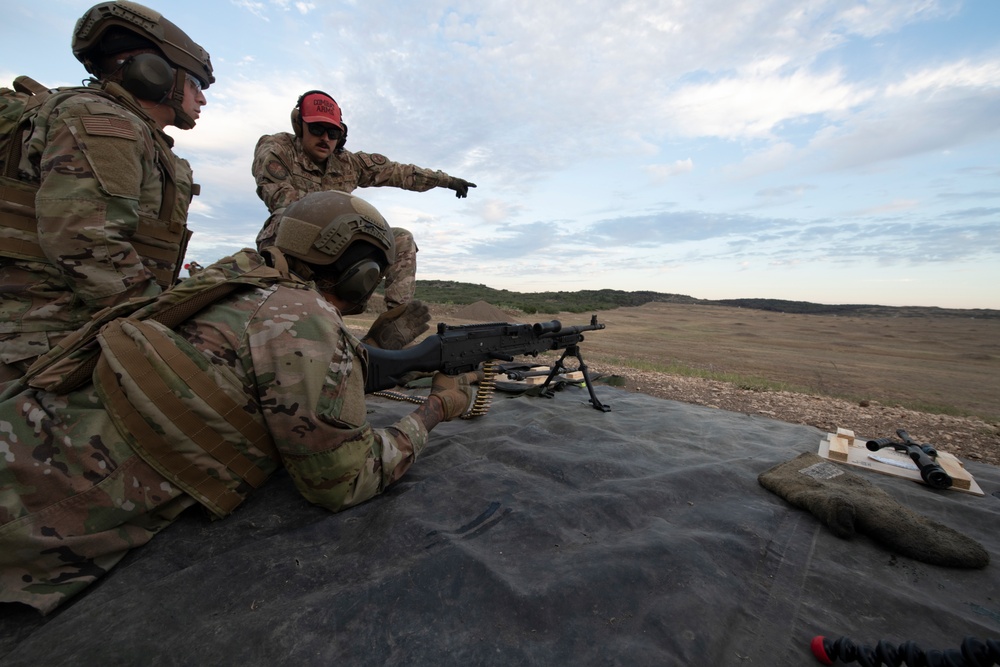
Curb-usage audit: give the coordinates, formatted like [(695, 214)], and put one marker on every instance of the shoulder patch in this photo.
[(379, 159), (108, 126), (277, 170)]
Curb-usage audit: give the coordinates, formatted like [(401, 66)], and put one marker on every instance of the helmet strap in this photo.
[(176, 102)]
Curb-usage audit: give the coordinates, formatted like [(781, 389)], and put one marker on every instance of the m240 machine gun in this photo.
[(460, 349)]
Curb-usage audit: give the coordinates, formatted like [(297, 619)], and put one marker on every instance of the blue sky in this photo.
[(836, 151)]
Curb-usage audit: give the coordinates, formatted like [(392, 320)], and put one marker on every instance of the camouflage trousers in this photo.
[(74, 497), (19, 350), (401, 277)]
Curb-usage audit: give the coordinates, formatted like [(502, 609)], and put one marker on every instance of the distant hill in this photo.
[(458, 293)]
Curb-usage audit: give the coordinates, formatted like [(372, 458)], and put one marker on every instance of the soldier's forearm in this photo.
[(430, 413)]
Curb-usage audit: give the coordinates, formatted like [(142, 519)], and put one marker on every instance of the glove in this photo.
[(398, 327), (455, 391), (461, 187), (846, 503)]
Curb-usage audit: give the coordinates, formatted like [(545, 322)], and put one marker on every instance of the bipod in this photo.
[(559, 367)]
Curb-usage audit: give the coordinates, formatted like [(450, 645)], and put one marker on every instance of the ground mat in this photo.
[(544, 533)]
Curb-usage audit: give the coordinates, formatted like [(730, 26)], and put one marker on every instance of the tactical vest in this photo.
[(183, 415), (160, 241)]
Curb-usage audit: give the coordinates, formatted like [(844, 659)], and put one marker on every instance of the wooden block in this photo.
[(847, 434), (960, 479), (575, 376), (839, 448)]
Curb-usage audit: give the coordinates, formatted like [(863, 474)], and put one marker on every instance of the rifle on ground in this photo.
[(460, 349), (923, 455)]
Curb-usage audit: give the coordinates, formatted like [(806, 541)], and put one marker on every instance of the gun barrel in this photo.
[(546, 327)]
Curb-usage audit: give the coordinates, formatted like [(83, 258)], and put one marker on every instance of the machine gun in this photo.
[(460, 349), (922, 455)]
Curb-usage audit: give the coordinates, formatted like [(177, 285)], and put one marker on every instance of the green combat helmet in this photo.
[(112, 27), (343, 239)]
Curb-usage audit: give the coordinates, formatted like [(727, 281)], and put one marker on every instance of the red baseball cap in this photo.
[(320, 108)]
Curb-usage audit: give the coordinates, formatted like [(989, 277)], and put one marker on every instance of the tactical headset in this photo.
[(362, 275), (149, 77), (297, 119)]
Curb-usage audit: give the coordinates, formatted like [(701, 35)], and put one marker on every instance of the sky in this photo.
[(833, 151)]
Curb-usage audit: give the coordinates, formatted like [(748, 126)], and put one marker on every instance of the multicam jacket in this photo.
[(75, 496), (285, 174), (107, 181)]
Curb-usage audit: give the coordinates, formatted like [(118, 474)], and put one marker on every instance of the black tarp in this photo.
[(546, 533)]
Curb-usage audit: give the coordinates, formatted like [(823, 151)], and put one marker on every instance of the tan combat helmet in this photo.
[(339, 229), (148, 78)]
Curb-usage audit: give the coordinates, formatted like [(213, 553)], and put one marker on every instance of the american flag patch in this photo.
[(108, 126)]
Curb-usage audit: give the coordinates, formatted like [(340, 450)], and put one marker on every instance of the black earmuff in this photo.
[(359, 281), (343, 137), (148, 77)]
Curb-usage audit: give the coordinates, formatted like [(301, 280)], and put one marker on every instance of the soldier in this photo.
[(94, 203), (288, 166), (204, 412)]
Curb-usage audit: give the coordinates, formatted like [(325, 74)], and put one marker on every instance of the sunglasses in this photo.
[(193, 81), (332, 133)]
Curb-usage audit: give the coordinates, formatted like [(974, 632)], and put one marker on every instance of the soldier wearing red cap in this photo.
[(288, 166)]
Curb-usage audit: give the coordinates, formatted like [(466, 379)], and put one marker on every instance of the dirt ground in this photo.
[(965, 437), (823, 371)]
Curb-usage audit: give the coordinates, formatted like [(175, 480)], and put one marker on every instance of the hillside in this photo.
[(457, 293)]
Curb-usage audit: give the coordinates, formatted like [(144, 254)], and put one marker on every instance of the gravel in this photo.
[(966, 438)]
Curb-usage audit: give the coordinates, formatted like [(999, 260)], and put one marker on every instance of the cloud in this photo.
[(890, 207), (783, 192), (754, 105), (947, 78), (520, 241), (496, 211), (978, 212), (660, 173), (258, 9), (881, 16), (935, 109), (979, 194), (675, 227)]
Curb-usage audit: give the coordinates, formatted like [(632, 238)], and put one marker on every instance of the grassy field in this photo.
[(947, 365), (944, 365)]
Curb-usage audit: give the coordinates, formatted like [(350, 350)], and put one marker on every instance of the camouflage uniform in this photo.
[(75, 495), (284, 174), (102, 170)]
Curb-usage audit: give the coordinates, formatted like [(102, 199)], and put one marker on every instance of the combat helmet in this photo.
[(341, 237), (112, 27)]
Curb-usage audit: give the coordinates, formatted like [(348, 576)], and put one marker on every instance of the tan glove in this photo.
[(455, 391), (398, 327)]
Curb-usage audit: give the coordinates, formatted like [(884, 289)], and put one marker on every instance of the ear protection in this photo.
[(359, 281), (296, 117), (148, 77)]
